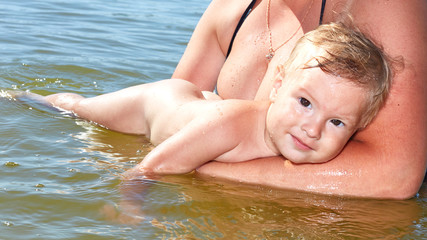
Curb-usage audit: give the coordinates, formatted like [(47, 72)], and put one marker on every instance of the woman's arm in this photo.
[(386, 160), (205, 54)]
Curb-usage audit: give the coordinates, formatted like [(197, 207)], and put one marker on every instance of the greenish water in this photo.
[(60, 177)]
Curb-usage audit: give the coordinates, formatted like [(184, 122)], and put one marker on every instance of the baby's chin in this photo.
[(311, 159)]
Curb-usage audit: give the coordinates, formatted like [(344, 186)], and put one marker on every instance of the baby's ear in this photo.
[(279, 75), (276, 85)]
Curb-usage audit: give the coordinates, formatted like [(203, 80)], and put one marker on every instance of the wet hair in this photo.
[(345, 52)]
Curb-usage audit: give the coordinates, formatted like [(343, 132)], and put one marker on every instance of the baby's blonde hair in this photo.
[(345, 52)]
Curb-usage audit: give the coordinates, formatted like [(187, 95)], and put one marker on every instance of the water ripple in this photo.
[(60, 177)]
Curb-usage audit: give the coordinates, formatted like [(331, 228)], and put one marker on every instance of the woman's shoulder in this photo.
[(226, 13), (400, 27), (384, 15)]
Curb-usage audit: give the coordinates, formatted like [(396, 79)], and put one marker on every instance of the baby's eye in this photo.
[(337, 122), (304, 102)]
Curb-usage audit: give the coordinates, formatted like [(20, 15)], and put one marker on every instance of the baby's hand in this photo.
[(123, 214), (138, 172), (132, 173), (133, 192)]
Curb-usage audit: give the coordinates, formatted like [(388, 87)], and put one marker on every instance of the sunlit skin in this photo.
[(388, 158), (313, 115), (304, 120)]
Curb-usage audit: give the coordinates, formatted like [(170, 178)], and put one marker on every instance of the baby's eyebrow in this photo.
[(309, 96)]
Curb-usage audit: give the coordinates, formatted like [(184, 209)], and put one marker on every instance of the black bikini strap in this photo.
[(246, 13), (321, 12), (242, 19)]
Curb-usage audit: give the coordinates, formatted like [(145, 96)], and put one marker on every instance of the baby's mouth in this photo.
[(300, 144)]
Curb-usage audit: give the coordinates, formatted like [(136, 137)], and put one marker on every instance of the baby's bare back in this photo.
[(171, 105)]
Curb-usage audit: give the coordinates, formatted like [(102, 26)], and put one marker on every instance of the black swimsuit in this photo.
[(243, 18), (249, 9)]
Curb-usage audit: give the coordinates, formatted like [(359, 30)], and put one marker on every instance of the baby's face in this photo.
[(313, 115)]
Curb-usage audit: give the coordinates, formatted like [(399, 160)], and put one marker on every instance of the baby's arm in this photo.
[(202, 140)]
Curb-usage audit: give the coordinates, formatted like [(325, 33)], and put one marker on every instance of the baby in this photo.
[(332, 85)]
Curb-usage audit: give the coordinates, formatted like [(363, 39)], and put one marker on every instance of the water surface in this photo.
[(60, 177)]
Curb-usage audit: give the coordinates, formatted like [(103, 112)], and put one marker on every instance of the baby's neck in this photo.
[(267, 141)]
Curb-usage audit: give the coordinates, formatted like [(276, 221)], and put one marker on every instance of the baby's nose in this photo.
[(313, 129)]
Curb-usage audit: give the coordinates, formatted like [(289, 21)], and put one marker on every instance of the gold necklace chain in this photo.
[(271, 50)]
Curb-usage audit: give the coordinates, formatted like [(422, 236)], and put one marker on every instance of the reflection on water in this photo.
[(187, 206), (60, 177), (201, 208), (120, 149), (191, 206)]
